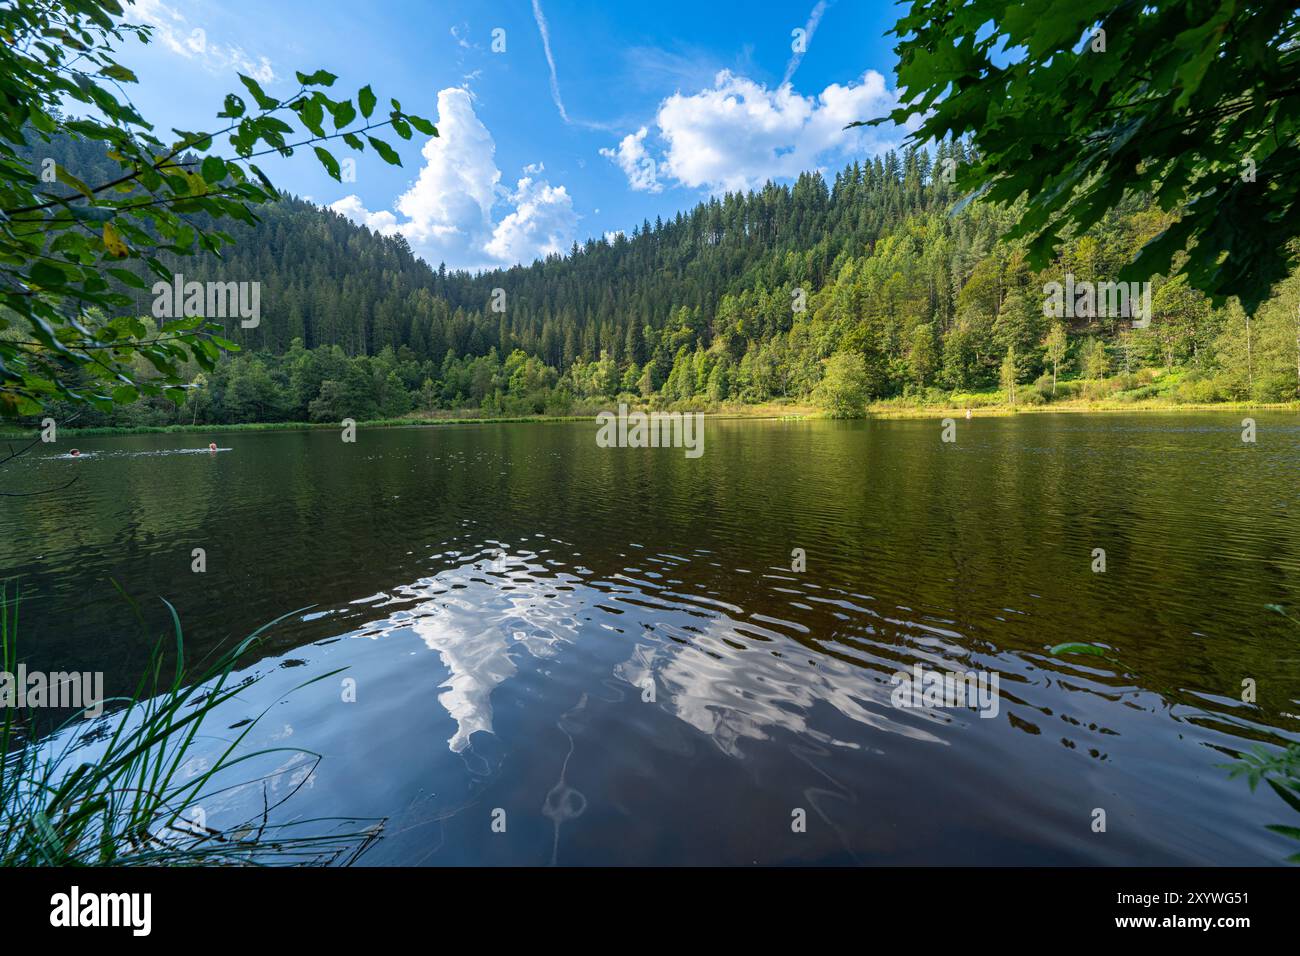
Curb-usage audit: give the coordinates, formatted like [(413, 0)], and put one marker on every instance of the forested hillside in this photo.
[(746, 298)]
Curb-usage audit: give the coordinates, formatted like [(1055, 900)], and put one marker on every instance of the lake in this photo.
[(612, 651)]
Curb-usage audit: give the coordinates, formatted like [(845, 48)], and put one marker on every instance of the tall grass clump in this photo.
[(122, 789)]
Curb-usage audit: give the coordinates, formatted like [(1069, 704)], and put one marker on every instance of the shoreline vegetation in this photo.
[(894, 408)]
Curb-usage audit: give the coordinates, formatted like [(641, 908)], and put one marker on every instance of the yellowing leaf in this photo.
[(113, 242)]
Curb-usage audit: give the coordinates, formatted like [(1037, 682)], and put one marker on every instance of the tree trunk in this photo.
[(1250, 372)]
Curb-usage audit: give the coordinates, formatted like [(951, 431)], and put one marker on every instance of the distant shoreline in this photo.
[(878, 410), (885, 410), (290, 426)]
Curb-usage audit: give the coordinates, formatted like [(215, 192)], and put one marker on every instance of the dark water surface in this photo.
[(503, 595)]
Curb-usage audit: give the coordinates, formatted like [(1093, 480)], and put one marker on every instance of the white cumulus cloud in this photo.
[(738, 134), (542, 222), (636, 163), (449, 212), (354, 209)]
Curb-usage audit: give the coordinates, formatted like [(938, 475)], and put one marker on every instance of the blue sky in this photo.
[(595, 116)]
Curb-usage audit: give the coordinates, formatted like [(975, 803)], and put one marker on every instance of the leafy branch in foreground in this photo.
[(120, 791), (68, 248), (1075, 106), (1280, 769)]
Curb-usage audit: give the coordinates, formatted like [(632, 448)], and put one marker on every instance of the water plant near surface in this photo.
[(129, 788), (1280, 769)]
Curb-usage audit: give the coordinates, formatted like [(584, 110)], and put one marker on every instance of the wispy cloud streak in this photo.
[(809, 29), (545, 31)]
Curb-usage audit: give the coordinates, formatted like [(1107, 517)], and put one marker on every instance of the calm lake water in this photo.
[(506, 597)]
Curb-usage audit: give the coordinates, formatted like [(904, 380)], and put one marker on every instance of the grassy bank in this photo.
[(982, 404), (1148, 390), (899, 409)]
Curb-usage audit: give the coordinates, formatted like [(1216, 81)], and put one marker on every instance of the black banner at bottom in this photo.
[(335, 905)]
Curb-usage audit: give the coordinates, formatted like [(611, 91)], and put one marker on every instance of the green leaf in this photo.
[(423, 125), (1077, 648), (261, 177), (115, 71), (127, 278), (1291, 798), (263, 101), (93, 213), (319, 78), (63, 176), (387, 152), (214, 169), (366, 100), (312, 112), (344, 113), (329, 162), (234, 107)]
